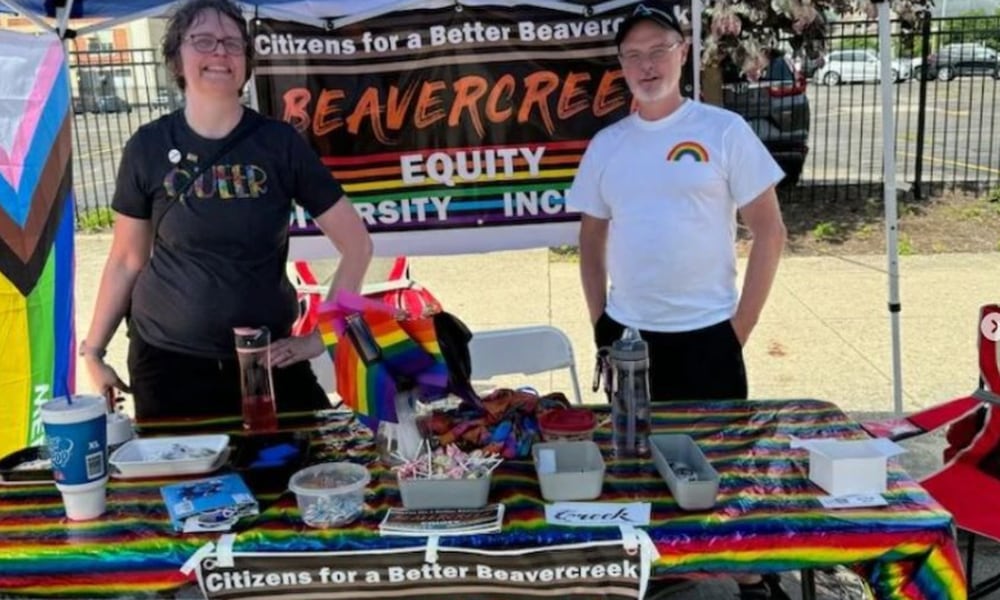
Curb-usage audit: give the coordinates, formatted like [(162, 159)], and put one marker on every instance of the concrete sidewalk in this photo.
[(824, 334)]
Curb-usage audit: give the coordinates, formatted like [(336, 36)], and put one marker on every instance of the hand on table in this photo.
[(291, 350)]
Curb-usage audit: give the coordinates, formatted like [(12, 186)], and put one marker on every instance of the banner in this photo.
[(36, 234), (606, 570), (451, 131)]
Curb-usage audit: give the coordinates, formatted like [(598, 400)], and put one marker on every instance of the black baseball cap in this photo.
[(661, 13)]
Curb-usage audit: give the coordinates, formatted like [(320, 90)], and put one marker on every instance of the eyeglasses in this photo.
[(206, 43), (655, 56)]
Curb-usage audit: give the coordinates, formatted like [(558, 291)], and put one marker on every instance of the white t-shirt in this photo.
[(671, 189)]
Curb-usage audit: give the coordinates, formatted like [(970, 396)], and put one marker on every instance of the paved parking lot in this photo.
[(961, 131)]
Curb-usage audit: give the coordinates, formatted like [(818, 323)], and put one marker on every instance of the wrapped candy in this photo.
[(449, 462)]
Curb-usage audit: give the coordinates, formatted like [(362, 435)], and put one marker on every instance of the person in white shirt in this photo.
[(659, 192)]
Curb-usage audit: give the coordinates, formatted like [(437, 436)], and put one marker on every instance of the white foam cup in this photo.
[(85, 502), (76, 436), (120, 429)]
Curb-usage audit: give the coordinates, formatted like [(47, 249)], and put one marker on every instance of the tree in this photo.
[(973, 26), (743, 31)]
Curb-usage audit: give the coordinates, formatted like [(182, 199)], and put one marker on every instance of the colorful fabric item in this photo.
[(767, 517), (505, 422), (36, 234), (376, 356)]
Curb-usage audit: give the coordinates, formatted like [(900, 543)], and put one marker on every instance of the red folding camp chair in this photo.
[(968, 485), (311, 291)]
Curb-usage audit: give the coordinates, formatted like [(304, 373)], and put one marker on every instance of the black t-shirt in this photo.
[(219, 256)]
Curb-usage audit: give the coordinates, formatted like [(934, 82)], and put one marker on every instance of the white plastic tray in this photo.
[(169, 456), (577, 471)]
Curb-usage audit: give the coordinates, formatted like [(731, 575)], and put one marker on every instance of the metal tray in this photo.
[(170, 456), (13, 471)]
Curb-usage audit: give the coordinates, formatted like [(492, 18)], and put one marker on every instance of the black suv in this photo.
[(954, 60), (777, 109)]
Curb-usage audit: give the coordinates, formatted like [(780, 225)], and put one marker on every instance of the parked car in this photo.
[(777, 109), (168, 99), (808, 66), (104, 104), (845, 66), (956, 60)]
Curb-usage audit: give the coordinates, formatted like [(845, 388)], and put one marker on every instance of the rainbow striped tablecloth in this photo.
[(767, 517)]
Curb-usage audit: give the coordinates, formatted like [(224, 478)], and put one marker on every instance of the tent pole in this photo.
[(610, 5), (577, 9), (62, 18), (889, 196), (27, 14), (697, 7), (156, 11), (378, 11)]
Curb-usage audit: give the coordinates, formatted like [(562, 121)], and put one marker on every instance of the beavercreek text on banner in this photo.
[(451, 131), (607, 569)]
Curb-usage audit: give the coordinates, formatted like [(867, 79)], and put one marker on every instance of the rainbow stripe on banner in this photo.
[(36, 235), (484, 182)]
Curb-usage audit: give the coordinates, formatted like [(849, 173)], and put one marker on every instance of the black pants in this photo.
[(703, 364), (168, 384)]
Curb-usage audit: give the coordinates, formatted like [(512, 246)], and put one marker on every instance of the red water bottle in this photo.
[(253, 346)]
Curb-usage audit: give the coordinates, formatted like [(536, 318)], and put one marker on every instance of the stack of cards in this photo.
[(448, 521)]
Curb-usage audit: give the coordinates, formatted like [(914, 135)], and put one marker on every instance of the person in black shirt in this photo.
[(196, 253)]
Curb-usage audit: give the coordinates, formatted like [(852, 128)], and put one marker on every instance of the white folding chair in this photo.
[(522, 350)]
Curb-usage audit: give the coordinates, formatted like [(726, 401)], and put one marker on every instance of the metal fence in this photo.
[(946, 105), (114, 92), (947, 117)]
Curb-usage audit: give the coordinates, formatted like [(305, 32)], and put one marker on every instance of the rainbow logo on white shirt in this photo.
[(694, 150)]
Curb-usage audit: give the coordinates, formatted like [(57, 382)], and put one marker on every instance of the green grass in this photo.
[(565, 253), (866, 231), (905, 245), (986, 207), (92, 220), (825, 231), (994, 197)]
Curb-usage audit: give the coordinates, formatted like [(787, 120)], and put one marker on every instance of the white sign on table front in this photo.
[(597, 514)]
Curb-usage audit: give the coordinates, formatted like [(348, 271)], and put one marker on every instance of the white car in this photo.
[(844, 66)]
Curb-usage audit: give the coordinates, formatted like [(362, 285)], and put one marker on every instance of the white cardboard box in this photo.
[(843, 467)]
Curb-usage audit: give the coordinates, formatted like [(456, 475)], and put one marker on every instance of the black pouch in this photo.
[(453, 338)]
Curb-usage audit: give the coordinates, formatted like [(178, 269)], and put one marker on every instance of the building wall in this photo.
[(124, 60)]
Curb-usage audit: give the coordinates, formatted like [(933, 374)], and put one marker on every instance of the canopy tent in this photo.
[(337, 13), (333, 13)]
